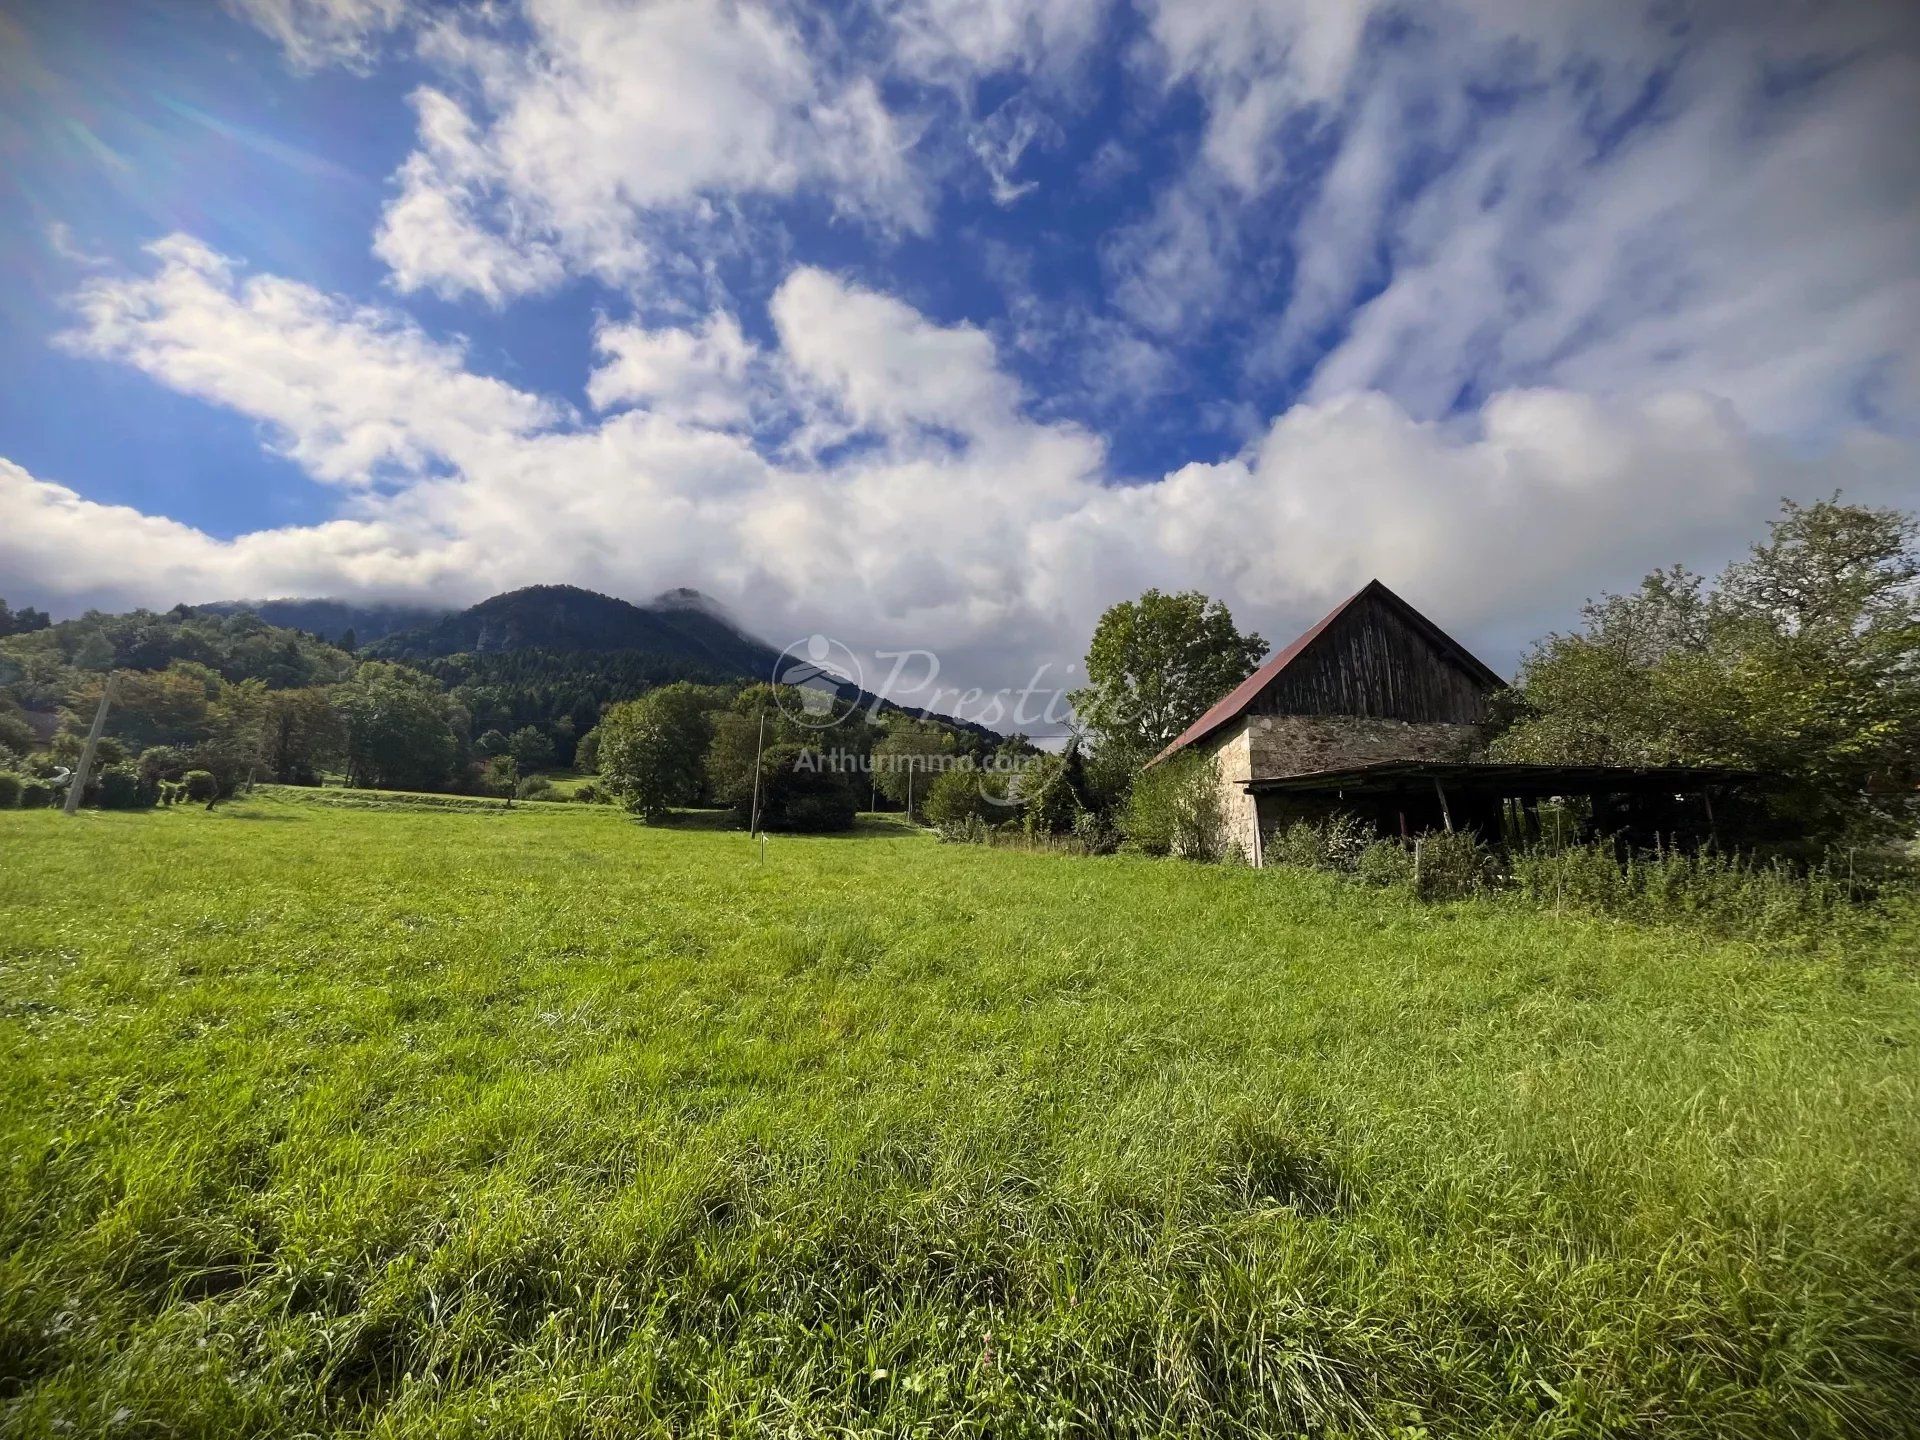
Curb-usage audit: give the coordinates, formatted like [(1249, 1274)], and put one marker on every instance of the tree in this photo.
[(652, 751), (586, 754), (493, 742), (151, 707), (305, 735), (531, 748), (798, 793), (908, 758), (400, 729), (1053, 792), (501, 776), (957, 794), (23, 621), (1802, 662), (1155, 664)]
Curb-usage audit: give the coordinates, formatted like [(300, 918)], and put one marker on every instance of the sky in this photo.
[(944, 324)]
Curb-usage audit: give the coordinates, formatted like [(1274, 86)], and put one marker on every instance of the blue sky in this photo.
[(945, 324)]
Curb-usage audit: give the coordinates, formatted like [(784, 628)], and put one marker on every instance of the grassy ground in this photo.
[(458, 1122)]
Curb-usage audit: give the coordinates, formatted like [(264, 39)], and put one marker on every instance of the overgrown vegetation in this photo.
[(1773, 900), (1801, 662), (537, 1121)]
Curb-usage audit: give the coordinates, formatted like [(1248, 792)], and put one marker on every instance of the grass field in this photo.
[(410, 1121)]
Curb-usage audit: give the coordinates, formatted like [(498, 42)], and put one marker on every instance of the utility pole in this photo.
[(753, 820), (78, 784)]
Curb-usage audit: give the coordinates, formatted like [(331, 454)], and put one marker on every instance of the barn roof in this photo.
[(1233, 704)]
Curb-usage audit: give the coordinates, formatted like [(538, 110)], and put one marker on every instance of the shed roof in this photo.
[(1233, 704)]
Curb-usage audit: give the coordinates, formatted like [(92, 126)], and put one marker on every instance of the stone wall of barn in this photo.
[(1266, 747), (1280, 745), (1232, 767)]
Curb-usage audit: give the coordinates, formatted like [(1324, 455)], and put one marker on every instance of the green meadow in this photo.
[(397, 1120)]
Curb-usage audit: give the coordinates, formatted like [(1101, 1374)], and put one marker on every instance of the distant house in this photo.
[(1379, 712)]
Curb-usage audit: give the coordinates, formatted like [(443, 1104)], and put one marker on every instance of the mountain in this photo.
[(681, 625), (531, 656), (331, 619)]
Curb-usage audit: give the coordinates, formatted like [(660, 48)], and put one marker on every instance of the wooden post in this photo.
[(85, 768), (753, 815), (1446, 815)]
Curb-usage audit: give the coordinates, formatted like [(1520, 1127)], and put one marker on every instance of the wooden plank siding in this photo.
[(1374, 661)]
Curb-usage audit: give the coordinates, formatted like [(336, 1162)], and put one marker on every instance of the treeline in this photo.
[(204, 703), (558, 693), (750, 748)]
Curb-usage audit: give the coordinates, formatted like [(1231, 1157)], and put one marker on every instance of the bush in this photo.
[(1174, 809), (36, 794), (588, 794), (1385, 863), (960, 794), (534, 787), (1096, 833), (797, 793), (1452, 866), (1335, 843), (968, 830), (10, 787), (201, 785), (120, 789)]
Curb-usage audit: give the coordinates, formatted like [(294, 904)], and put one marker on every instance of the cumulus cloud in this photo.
[(353, 394), (610, 118), (704, 376), (952, 519)]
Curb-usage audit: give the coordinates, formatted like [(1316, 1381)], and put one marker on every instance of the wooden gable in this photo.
[(1381, 658)]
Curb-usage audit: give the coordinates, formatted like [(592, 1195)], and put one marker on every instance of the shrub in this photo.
[(1386, 863), (1097, 833), (1335, 843), (1451, 866), (534, 787), (798, 793), (10, 787), (960, 794), (967, 830), (35, 793), (1174, 809), (120, 789), (588, 794), (201, 785)]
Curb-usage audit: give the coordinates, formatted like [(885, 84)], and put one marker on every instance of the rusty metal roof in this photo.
[(1230, 706)]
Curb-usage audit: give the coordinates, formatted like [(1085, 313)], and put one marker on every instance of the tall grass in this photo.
[(1731, 896), (540, 1122)]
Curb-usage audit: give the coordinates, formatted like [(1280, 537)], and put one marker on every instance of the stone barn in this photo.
[(1378, 711)]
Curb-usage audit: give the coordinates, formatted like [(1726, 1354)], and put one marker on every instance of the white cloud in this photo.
[(884, 365), (611, 119), (432, 236), (352, 394), (968, 526), (323, 32), (1621, 199), (958, 41), (704, 376)]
